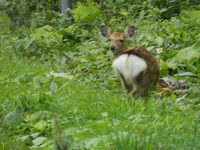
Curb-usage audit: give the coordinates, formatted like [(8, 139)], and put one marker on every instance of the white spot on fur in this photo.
[(129, 66)]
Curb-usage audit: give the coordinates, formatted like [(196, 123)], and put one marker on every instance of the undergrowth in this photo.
[(58, 90)]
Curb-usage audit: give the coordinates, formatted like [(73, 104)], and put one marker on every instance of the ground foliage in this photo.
[(58, 90)]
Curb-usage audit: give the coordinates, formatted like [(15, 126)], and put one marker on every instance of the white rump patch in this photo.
[(129, 66)]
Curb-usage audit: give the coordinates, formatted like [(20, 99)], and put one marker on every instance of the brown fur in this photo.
[(150, 75), (147, 79)]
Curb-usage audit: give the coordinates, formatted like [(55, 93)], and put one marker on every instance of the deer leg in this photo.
[(137, 92), (124, 84), (137, 84)]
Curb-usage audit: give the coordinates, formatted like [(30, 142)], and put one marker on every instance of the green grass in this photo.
[(62, 95), (83, 116)]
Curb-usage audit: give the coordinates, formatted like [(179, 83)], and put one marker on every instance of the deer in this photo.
[(136, 67)]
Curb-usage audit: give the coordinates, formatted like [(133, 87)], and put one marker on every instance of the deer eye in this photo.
[(109, 40), (121, 41)]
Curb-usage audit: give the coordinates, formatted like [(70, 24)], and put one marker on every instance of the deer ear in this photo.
[(129, 31), (105, 31)]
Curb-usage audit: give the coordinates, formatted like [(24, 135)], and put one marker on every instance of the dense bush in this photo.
[(76, 38)]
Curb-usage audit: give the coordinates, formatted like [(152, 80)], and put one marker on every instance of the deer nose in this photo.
[(112, 47)]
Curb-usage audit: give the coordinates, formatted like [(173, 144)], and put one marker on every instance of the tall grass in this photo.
[(88, 117)]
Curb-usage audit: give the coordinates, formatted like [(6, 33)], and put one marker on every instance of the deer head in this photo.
[(117, 41)]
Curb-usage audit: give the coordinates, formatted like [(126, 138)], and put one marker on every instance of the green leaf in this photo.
[(41, 32), (159, 41), (91, 143), (29, 42), (124, 13), (41, 125), (24, 78), (53, 87), (150, 48), (49, 15), (37, 116), (13, 117), (56, 37), (34, 135), (46, 34), (191, 67), (62, 75), (140, 37), (159, 50), (194, 14), (186, 74), (29, 78), (24, 138), (86, 12), (38, 141), (188, 53), (41, 78)]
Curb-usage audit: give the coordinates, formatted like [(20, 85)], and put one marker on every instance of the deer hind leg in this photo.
[(126, 87), (137, 84), (124, 84), (135, 89), (137, 92)]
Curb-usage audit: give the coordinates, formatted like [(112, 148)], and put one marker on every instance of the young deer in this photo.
[(136, 67)]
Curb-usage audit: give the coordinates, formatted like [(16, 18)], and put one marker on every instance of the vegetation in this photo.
[(58, 90)]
